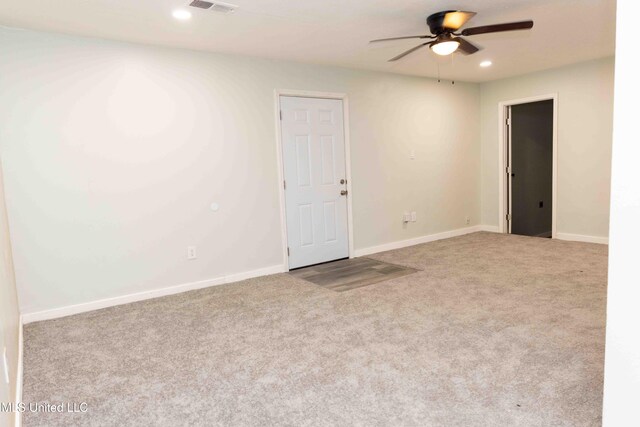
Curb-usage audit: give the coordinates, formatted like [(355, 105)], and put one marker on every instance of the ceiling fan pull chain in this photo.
[(452, 73)]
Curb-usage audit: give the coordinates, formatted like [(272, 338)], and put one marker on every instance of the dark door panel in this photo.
[(532, 168)]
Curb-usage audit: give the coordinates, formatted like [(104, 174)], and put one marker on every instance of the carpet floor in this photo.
[(493, 330)]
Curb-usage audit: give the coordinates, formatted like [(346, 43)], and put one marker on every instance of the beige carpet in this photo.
[(494, 330)]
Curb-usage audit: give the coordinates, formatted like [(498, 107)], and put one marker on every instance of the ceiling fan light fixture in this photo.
[(445, 47)]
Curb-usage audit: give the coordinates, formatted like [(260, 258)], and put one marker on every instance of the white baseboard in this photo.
[(418, 240), (19, 373), (55, 313), (171, 290), (275, 269), (582, 238), (140, 296), (490, 228), (559, 236)]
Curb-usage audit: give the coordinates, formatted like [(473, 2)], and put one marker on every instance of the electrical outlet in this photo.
[(468, 220), (191, 252), (414, 216)]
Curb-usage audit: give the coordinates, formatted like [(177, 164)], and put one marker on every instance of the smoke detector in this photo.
[(216, 6)]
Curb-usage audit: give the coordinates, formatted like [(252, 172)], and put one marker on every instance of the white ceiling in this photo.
[(336, 32)]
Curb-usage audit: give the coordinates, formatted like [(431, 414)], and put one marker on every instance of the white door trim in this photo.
[(347, 148), (502, 161)]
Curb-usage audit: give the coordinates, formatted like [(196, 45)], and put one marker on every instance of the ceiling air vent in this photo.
[(215, 6), (201, 4)]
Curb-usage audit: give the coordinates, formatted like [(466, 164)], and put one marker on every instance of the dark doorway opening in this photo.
[(530, 168)]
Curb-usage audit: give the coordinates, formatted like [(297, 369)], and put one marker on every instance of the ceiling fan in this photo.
[(443, 27)]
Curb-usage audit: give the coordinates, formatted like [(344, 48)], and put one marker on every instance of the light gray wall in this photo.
[(585, 104), (115, 151), (9, 314)]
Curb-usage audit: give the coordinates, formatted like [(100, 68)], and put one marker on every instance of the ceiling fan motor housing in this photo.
[(436, 22)]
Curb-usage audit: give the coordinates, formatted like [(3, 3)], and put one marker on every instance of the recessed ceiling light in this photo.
[(485, 64), (181, 14)]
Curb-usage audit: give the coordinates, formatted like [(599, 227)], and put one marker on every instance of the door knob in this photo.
[(344, 192), (343, 181)]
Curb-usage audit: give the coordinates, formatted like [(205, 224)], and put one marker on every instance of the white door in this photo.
[(315, 180)]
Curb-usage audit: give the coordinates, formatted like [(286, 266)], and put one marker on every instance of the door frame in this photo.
[(503, 140), (347, 158)]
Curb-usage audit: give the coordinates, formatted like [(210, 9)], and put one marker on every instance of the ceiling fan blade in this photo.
[(402, 38), (413, 49), (466, 47), (454, 20), (511, 26)]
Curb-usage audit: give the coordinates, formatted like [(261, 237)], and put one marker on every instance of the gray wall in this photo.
[(585, 124), (114, 153)]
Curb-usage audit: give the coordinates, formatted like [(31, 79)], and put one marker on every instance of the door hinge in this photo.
[(284, 184), (508, 217), (508, 121), (280, 114), (288, 251), (508, 169)]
